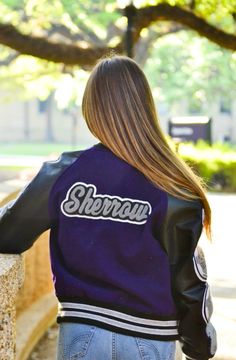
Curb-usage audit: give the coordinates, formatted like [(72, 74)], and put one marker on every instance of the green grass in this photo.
[(41, 149)]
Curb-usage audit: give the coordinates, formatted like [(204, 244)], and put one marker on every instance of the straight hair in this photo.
[(119, 110)]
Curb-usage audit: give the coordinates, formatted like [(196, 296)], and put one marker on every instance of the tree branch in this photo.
[(70, 54), (64, 32), (85, 36), (112, 31), (57, 52), (147, 15), (192, 4), (143, 47), (91, 35), (9, 59)]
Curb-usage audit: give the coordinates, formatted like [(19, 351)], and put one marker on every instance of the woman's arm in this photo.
[(25, 218), (180, 234)]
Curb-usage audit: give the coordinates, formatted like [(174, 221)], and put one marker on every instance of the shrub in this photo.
[(215, 164)]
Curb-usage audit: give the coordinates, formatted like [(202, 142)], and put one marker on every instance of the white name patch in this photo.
[(81, 201)]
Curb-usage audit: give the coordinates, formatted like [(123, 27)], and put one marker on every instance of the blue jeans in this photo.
[(89, 342)]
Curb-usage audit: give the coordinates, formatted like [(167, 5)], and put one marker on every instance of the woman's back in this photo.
[(125, 217), (105, 217)]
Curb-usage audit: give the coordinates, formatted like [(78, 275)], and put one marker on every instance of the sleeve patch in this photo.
[(200, 264), (211, 333), (207, 305)]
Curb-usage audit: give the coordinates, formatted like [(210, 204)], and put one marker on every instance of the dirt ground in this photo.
[(47, 347)]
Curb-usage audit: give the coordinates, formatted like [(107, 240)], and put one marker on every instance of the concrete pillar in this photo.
[(11, 279), (233, 122), (214, 114)]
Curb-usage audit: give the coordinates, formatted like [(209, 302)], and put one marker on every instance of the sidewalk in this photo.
[(221, 259), (30, 166), (21, 160), (9, 186)]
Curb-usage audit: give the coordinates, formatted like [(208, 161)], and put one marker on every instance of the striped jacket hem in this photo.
[(117, 320)]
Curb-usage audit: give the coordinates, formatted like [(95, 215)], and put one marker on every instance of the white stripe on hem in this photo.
[(119, 324), (119, 315)]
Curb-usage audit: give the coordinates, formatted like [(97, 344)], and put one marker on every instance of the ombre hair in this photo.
[(119, 110)]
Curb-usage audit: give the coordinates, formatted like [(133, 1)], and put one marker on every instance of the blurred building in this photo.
[(41, 121), (223, 119)]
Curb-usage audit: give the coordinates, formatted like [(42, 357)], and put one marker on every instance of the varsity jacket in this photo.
[(124, 254)]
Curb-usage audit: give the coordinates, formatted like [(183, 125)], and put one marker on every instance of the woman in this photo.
[(125, 217)]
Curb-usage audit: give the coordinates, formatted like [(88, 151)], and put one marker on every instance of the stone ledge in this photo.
[(32, 324), (11, 279)]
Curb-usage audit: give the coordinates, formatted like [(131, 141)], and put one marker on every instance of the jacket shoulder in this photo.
[(182, 224), (65, 159), (183, 210), (176, 204), (52, 169)]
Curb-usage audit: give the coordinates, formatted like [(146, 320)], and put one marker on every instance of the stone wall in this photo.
[(11, 278), (20, 292), (38, 279)]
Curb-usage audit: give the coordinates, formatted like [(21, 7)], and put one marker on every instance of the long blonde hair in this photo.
[(119, 110)]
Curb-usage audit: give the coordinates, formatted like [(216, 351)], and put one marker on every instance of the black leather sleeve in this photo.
[(180, 233), (23, 219)]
